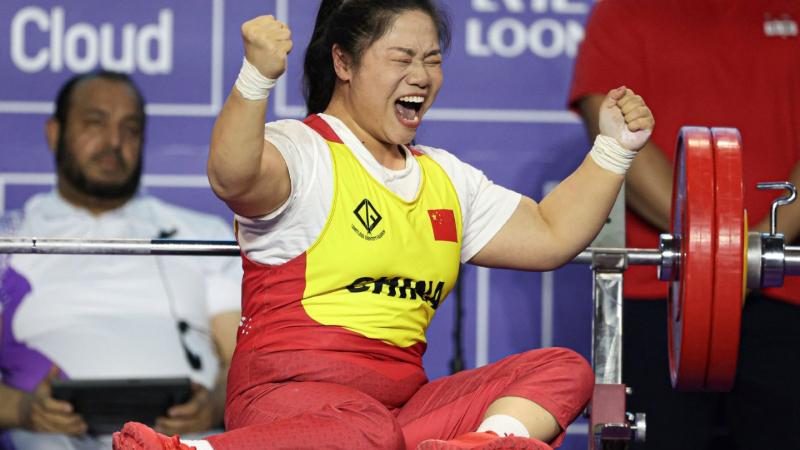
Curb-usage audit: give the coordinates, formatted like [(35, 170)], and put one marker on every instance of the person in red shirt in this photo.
[(708, 63)]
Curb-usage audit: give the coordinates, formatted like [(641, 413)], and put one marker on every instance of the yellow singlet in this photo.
[(374, 278)]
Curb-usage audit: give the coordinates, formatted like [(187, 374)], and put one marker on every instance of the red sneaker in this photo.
[(484, 441), (138, 436)]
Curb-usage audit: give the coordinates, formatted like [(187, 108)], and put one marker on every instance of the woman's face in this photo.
[(398, 79)]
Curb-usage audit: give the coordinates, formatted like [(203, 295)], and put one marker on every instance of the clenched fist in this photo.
[(267, 43), (625, 117)]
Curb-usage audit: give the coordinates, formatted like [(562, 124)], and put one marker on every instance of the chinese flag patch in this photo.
[(444, 224)]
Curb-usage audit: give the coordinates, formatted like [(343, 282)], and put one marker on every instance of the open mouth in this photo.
[(407, 109)]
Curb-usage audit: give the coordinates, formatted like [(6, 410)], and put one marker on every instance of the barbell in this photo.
[(709, 258)]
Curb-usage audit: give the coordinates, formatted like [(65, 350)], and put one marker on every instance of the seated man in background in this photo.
[(103, 317)]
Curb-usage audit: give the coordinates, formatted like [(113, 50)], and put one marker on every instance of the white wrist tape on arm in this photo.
[(251, 84), (608, 154)]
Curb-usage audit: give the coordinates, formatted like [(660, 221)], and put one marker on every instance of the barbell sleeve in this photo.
[(792, 260)]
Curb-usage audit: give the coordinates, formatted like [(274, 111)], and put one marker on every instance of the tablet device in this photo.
[(106, 405)]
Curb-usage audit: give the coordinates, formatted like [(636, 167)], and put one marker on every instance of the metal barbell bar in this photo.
[(66, 246), (666, 256)]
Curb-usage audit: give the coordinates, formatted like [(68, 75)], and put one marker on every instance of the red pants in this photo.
[(312, 414)]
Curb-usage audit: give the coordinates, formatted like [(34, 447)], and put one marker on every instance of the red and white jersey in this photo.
[(351, 270), (290, 230)]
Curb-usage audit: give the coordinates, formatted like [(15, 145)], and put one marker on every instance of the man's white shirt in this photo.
[(117, 316)]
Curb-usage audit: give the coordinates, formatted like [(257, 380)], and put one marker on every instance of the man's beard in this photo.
[(69, 169)]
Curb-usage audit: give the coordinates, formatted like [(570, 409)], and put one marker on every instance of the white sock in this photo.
[(504, 425), (199, 445)]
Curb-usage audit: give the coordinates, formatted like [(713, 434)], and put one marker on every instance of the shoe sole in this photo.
[(505, 443)]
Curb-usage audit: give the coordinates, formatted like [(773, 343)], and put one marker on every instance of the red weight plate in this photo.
[(729, 239), (690, 297)]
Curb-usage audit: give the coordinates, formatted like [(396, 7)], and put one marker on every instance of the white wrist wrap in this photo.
[(608, 154), (251, 84)]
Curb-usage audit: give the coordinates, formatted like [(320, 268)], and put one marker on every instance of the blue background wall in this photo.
[(501, 109)]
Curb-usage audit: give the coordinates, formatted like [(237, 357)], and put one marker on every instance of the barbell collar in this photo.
[(670, 248), (753, 259), (773, 259)]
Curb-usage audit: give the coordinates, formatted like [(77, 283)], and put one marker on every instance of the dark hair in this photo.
[(355, 25), (64, 97)]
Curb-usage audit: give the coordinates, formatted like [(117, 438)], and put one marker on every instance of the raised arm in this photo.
[(648, 184), (547, 235), (246, 171)]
